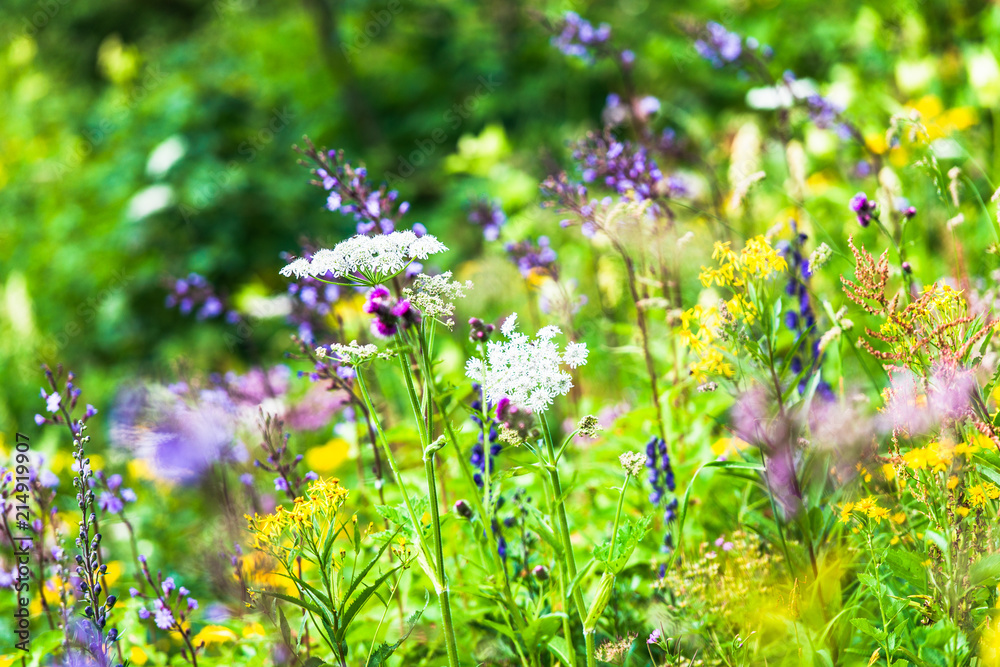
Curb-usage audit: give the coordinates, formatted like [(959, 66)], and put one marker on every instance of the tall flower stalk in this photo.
[(371, 262)]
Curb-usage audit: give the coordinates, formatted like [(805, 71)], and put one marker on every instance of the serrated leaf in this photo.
[(359, 602), (385, 650), (630, 533), (865, 626)]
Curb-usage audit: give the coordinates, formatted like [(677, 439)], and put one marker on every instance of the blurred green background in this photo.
[(147, 139)]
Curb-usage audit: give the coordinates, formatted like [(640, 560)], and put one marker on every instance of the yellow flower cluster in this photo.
[(980, 492), (866, 507), (317, 509), (757, 260), (700, 332), (700, 325), (937, 456)]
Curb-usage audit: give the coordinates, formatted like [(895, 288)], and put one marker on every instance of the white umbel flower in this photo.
[(354, 354), (376, 258), (632, 462), (435, 296), (525, 370)]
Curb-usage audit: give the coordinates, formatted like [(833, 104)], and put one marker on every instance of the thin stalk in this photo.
[(423, 426), (567, 545)]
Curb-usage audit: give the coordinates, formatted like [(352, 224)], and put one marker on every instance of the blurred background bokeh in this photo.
[(147, 140)]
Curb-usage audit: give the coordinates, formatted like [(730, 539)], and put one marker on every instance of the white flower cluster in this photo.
[(526, 371), (377, 258), (353, 354), (632, 462), (820, 256), (434, 296)]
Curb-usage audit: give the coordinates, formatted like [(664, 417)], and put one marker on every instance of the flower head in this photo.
[(435, 296), (526, 371), (368, 260), (632, 463)]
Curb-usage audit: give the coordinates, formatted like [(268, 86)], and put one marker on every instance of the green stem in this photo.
[(618, 515), (391, 460), (567, 545), (423, 423)]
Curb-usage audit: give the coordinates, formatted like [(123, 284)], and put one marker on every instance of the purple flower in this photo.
[(192, 603), (114, 482), (110, 503), (488, 216), (52, 402), (168, 585), (48, 479), (128, 495), (164, 619), (654, 637), (280, 484), (532, 258), (719, 46), (578, 37), (40, 419), (866, 209), (247, 479), (133, 591), (144, 613)]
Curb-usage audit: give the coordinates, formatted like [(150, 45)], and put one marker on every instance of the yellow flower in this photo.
[(845, 512), (137, 656), (952, 482), (878, 513), (214, 634), (962, 511), (329, 456), (980, 492), (253, 630), (935, 456)]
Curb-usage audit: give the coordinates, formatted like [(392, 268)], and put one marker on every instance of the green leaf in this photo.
[(542, 629), (985, 571), (399, 516), (906, 565), (557, 646), (580, 574), (286, 632), (630, 533), (295, 601), (357, 578), (358, 603), (866, 627), (385, 650)]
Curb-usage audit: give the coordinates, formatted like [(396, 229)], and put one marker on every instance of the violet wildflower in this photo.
[(719, 46), (375, 209), (579, 38), (866, 209), (533, 258), (478, 457), (654, 637), (661, 472), (391, 314), (312, 299), (488, 216), (800, 319), (196, 294)]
